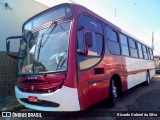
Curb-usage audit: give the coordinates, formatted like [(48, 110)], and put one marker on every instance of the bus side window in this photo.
[(149, 56), (80, 40), (124, 45), (140, 52), (92, 54), (96, 49), (112, 41), (133, 48), (151, 53), (145, 52)]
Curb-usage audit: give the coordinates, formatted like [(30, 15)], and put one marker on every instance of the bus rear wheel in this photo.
[(112, 93)]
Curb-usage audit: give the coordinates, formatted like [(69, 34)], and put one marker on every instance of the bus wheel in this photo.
[(113, 93), (147, 82)]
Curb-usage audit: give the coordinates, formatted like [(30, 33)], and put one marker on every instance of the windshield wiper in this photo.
[(55, 25), (63, 29), (63, 63), (61, 60), (40, 43), (39, 46)]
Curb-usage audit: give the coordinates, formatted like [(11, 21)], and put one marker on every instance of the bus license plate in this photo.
[(32, 99)]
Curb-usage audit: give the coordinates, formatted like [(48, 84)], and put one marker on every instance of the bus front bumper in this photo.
[(66, 98)]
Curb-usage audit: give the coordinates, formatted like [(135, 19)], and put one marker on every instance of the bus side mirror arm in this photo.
[(8, 46)]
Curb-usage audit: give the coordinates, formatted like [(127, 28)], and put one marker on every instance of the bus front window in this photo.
[(47, 51)]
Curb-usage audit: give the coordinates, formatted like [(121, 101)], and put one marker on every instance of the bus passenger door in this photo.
[(91, 73)]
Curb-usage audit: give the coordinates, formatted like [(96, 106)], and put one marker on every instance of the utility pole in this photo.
[(158, 60), (153, 41)]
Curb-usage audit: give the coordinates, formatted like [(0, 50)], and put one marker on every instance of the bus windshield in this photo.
[(45, 50), (44, 47)]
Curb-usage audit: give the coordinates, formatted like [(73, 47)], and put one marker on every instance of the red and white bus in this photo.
[(70, 58)]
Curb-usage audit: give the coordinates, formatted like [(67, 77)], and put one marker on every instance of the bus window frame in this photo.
[(49, 10), (123, 44), (118, 39), (141, 49), (136, 47), (103, 42)]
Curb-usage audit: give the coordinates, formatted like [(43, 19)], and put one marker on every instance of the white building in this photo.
[(13, 13)]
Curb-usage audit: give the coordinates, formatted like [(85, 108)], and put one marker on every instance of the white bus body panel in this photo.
[(135, 64), (66, 97)]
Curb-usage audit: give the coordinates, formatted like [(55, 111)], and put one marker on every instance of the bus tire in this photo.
[(147, 82), (112, 93)]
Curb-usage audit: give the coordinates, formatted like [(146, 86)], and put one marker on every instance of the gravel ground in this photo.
[(140, 98)]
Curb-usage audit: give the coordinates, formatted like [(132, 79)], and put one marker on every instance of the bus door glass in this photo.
[(90, 49)]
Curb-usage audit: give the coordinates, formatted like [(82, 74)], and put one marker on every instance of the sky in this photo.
[(137, 17)]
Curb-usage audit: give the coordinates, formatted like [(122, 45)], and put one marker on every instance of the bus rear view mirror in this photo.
[(12, 41), (89, 39), (87, 43)]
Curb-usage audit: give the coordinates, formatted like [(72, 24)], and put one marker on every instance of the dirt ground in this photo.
[(138, 99)]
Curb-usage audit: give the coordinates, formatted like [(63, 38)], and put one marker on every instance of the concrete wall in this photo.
[(11, 21), (7, 74)]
